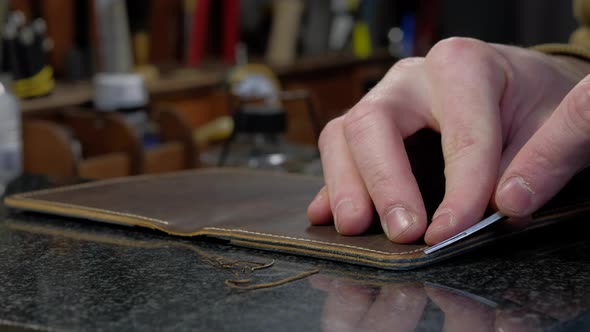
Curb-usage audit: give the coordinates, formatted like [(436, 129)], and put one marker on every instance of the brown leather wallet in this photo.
[(262, 210)]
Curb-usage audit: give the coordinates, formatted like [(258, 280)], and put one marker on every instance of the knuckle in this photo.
[(449, 51), (356, 124), (458, 145), (357, 121), (331, 129), (405, 64), (378, 178), (394, 81), (540, 162)]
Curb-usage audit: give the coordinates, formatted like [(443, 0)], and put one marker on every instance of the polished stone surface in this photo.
[(64, 274)]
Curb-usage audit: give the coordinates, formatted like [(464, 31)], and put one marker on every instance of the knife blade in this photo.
[(473, 229)]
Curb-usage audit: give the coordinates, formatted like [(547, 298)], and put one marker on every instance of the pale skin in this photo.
[(351, 306), (515, 127)]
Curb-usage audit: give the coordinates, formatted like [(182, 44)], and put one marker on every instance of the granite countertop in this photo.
[(62, 274)]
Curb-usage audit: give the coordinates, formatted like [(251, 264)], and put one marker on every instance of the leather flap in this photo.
[(250, 208)]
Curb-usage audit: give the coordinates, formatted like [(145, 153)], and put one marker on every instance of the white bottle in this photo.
[(10, 137)]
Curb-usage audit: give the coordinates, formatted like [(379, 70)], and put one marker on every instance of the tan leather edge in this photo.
[(332, 255), (564, 49), (309, 243), (86, 212), (135, 220), (333, 251), (366, 260), (399, 262), (336, 251), (407, 260), (320, 249)]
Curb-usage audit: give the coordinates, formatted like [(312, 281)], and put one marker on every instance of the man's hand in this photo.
[(514, 126), (353, 306)]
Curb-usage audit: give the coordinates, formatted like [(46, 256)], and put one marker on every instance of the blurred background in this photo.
[(107, 88), (168, 25)]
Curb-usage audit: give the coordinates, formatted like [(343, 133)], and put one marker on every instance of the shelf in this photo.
[(63, 95), (67, 94)]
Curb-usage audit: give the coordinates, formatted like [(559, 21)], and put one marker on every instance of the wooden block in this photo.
[(167, 157), (105, 166), (47, 149), (104, 133), (173, 127), (299, 123)]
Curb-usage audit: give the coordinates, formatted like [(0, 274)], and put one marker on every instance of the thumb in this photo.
[(555, 153)]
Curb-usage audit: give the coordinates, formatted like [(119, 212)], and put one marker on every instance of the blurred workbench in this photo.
[(192, 97), (337, 80)]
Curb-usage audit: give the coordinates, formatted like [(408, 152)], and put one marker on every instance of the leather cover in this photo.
[(263, 210)]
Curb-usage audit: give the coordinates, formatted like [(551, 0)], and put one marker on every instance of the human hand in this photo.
[(352, 306), (514, 125)]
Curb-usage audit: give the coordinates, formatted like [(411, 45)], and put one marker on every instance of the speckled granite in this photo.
[(60, 274)]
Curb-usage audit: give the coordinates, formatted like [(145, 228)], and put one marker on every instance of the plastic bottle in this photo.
[(10, 137)]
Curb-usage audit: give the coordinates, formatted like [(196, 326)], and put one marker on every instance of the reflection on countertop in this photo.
[(64, 274)]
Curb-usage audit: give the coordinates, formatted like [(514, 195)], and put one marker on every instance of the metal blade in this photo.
[(480, 225)]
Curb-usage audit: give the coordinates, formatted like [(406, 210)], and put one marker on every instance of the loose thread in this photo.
[(242, 266), (238, 284), (263, 266)]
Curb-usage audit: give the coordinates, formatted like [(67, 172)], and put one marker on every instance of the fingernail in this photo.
[(443, 223), (397, 222), (343, 209), (444, 219), (516, 195)]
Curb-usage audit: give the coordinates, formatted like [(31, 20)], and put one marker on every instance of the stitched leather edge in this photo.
[(83, 211), (73, 210), (235, 230), (25, 201), (319, 249), (336, 256)]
